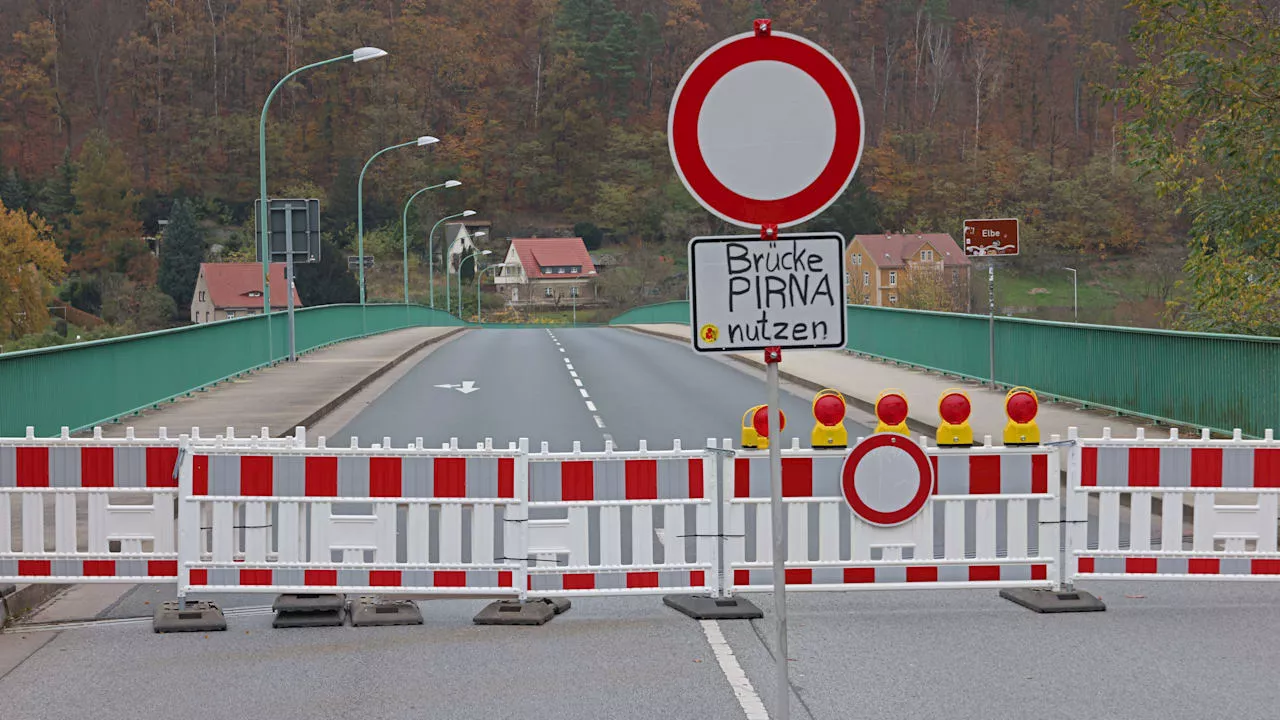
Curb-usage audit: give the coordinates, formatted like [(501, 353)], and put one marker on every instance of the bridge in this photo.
[(408, 380)]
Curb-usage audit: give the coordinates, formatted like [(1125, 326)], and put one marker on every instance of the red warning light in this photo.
[(760, 421), (891, 409), (1022, 407), (954, 408), (828, 410)]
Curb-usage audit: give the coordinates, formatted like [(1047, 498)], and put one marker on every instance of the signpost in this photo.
[(765, 131), (989, 238), (353, 262), (293, 235)]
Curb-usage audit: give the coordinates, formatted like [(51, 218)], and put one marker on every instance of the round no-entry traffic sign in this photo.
[(766, 128), (887, 479)]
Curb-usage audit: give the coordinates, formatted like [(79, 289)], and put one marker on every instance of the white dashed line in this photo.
[(584, 392), (577, 382), (591, 406), (561, 349), (568, 364), (748, 700), (607, 437), (569, 367), (599, 422), (573, 374)]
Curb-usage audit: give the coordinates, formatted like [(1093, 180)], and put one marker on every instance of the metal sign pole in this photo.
[(991, 318), (288, 280), (773, 356)]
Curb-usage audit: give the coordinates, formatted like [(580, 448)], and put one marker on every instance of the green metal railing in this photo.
[(676, 311), (1221, 382), (89, 383)]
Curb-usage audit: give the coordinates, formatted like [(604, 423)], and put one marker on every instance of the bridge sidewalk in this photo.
[(288, 394), (862, 379)]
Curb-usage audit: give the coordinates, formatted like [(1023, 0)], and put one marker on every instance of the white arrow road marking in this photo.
[(467, 387)]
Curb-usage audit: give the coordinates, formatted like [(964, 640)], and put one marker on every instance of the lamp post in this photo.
[(495, 267), (404, 224), (431, 256), (421, 141), (358, 55), (472, 256), (1075, 296)]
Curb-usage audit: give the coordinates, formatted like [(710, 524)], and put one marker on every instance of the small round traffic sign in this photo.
[(765, 129), (887, 479)]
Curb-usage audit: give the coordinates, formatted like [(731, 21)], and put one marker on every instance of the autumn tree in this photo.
[(1207, 87), (104, 233), (924, 286), (181, 254), (30, 265)]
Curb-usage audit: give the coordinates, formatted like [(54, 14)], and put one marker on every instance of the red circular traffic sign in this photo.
[(887, 479), (766, 129)]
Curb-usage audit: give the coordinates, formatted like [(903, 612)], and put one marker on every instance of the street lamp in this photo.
[(1075, 296), (421, 141), (431, 256), (404, 224), (472, 256), (358, 55)]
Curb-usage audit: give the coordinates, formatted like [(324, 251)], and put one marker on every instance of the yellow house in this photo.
[(878, 268)]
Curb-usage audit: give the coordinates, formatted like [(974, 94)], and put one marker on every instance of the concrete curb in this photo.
[(24, 599), (350, 392), (913, 425)]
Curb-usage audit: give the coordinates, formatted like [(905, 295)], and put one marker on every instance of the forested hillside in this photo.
[(554, 112)]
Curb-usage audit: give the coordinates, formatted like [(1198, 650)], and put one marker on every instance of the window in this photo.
[(546, 291), (255, 293), (576, 269), (231, 314), (893, 299), (573, 291), (206, 316), (926, 255), (201, 296), (866, 299), (866, 277), (893, 278), (857, 258)]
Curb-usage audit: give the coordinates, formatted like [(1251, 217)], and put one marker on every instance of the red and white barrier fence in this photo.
[(981, 526), (1232, 485), (271, 515)]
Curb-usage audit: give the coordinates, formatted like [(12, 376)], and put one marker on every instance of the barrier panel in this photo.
[(433, 521), (991, 521), (1233, 486), (633, 523), (106, 506)]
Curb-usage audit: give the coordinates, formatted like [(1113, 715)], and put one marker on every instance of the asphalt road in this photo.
[(1162, 651), (641, 388)]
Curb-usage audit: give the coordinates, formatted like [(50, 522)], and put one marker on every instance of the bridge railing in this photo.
[(89, 383), (1206, 380)]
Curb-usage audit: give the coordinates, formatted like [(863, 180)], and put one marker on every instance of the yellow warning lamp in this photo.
[(750, 438), (1021, 405), (954, 409), (755, 427), (891, 412), (828, 411)]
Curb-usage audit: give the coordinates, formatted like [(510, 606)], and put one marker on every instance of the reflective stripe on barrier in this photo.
[(1005, 490), (1232, 485), (934, 574), (341, 578)]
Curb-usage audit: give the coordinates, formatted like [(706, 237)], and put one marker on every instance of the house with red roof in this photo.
[(547, 271), (879, 269), (230, 290)]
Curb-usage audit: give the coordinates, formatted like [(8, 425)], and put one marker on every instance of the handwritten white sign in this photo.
[(748, 294)]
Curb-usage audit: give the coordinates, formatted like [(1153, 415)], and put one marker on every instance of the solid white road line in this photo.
[(748, 700)]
